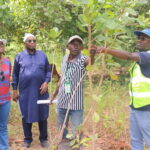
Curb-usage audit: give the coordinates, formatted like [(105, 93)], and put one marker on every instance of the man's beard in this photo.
[(31, 49)]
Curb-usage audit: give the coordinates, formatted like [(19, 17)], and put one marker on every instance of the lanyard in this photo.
[(67, 79), (68, 71)]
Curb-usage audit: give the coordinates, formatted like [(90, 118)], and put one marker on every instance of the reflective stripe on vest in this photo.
[(139, 88)]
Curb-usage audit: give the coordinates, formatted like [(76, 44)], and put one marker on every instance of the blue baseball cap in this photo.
[(145, 31)]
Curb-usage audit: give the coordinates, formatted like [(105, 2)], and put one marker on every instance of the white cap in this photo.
[(73, 38), (3, 41), (27, 35)]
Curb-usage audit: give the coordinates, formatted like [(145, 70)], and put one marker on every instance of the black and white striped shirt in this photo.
[(76, 71)]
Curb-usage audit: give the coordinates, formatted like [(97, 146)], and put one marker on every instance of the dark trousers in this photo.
[(27, 127)]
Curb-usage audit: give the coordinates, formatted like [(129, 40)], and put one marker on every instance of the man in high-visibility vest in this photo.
[(139, 88)]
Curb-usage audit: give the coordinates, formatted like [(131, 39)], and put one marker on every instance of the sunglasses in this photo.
[(2, 77), (142, 38), (30, 41)]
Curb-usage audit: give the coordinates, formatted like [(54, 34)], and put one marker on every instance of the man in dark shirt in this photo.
[(31, 75), (139, 88)]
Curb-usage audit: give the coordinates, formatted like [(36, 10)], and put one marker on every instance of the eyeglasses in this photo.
[(142, 38), (2, 77), (30, 41)]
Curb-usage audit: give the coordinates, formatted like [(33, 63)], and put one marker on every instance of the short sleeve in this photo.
[(144, 58), (83, 58), (144, 63)]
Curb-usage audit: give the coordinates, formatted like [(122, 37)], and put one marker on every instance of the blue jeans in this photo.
[(4, 112), (76, 117), (139, 129)]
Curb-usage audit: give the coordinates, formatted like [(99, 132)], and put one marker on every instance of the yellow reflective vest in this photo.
[(139, 88)]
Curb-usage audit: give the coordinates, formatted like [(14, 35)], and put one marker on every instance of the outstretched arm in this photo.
[(121, 54)]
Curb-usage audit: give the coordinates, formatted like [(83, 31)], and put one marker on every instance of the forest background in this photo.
[(108, 23)]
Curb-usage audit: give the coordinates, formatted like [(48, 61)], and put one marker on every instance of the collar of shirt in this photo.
[(30, 53)]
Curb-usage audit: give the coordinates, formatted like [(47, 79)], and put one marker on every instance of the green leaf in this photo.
[(107, 6), (73, 142), (85, 140), (91, 3), (100, 19), (86, 52), (54, 33), (101, 1), (82, 1), (130, 11), (82, 28), (111, 24), (113, 76), (3, 7), (81, 21), (102, 38), (111, 14), (86, 19), (88, 68)]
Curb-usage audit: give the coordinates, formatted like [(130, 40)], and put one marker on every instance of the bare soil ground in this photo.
[(111, 132), (104, 140)]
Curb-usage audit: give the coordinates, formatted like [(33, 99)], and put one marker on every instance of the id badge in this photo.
[(67, 87)]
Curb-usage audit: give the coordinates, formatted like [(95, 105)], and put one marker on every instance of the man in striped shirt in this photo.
[(70, 89)]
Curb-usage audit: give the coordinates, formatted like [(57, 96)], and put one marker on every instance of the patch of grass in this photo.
[(113, 109)]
